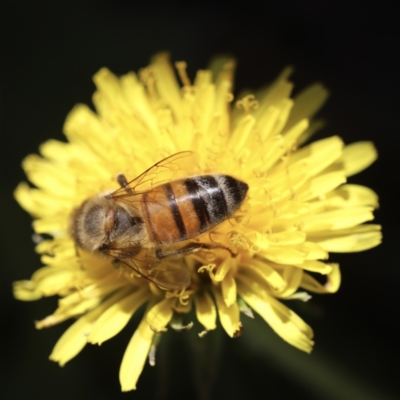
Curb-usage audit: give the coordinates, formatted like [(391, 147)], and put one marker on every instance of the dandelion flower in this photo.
[(297, 210)]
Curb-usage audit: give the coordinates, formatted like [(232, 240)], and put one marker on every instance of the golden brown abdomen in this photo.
[(185, 208)]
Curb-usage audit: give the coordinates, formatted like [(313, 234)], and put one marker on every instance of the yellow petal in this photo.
[(345, 196), (279, 148), (316, 266), (351, 240), (288, 325), (206, 312), (22, 194), (50, 281), (203, 106), (356, 238), (318, 155), (241, 133), (337, 219), (52, 225), (98, 289), (264, 273), (135, 356), (275, 96), (83, 127), (39, 203), (26, 291), (136, 96), (331, 286), (203, 77), (307, 103), (314, 251), (287, 238), (292, 277), (160, 314), (267, 124), (321, 185), (224, 268), (285, 107), (284, 255), (49, 176), (315, 126), (62, 256), (166, 83), (109, 95), (229, 316), (60, 244), (358, 156), (354, 195), (64, 313), (115, 318), (75, 337), (72, 341), (80, 160), (228, 287)]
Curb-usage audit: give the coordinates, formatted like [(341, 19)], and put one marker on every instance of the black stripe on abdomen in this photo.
[(213, 198), (176, 212), (198, 204), (234, 190)]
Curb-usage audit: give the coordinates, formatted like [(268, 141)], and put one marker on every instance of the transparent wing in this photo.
[(167, 274), (164, 171), (170, 274)]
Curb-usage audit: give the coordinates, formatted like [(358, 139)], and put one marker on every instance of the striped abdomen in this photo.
[(185, 208)]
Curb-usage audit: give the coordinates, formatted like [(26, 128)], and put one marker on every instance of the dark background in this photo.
[(49, 52)]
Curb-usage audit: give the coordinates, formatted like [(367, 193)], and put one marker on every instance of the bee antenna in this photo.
[(121, 179)]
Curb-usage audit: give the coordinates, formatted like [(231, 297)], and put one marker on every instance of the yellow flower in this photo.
[(297, 210)]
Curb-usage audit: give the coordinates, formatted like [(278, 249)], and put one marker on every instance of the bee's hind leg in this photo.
[(193, 248)]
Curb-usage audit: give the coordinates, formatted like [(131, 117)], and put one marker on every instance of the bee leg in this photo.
[(209, 246), (121, 179), (193, 248)]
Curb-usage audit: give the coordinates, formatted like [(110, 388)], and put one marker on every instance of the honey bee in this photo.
[(148, 220)]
